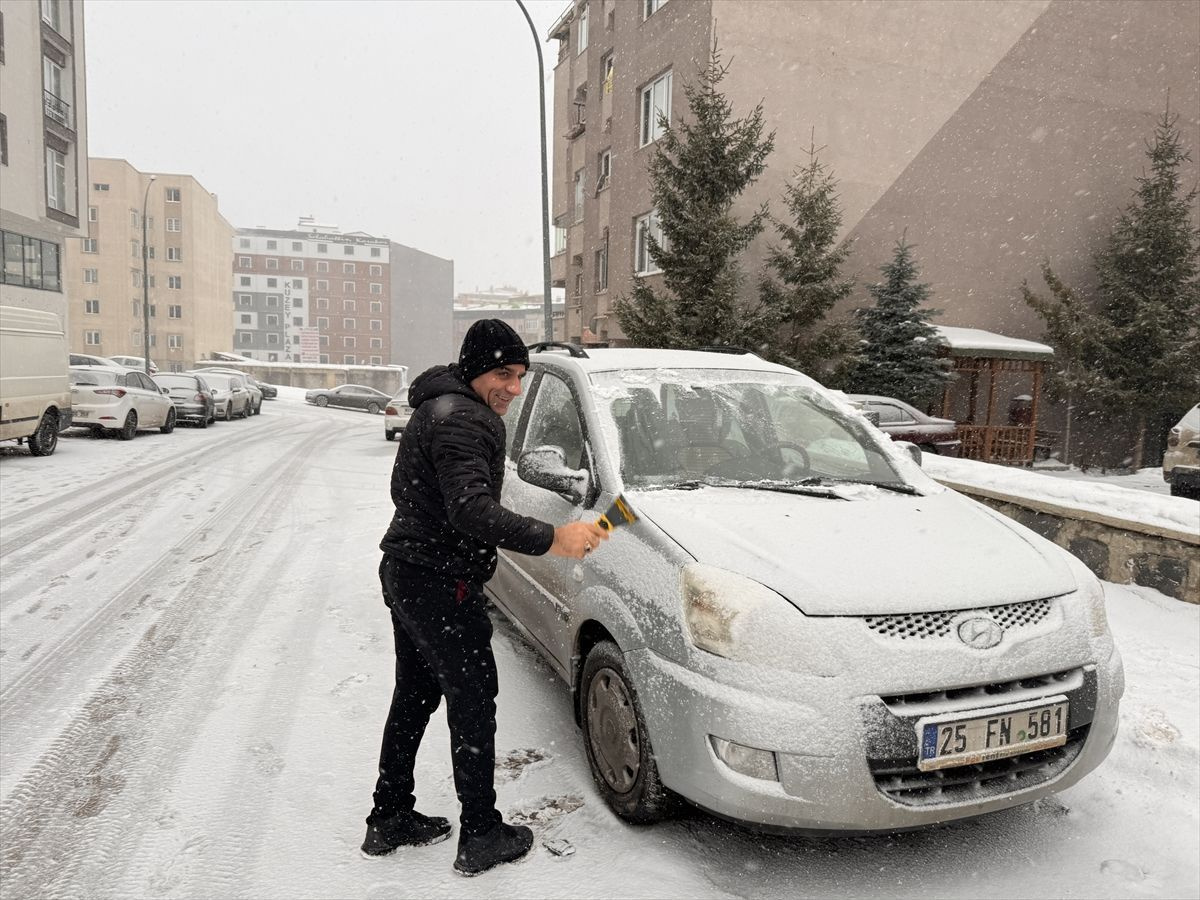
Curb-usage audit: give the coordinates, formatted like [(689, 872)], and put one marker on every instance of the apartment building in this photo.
[(315, 294), (187, 263), (43, 149), (995, 134), (524, 312)]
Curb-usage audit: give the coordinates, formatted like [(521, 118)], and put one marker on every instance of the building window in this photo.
[(645, 227), (98, 186), (322, 323), (348, 249), (93, 214), (90, 276), (298, 283), (150, 252), (322, 284), (376, 288), (272, 319), (174, 341), (272, 300), (56, 180), (375, 251), (348, 341), (348, 268), (244, 243), (297, 265), (376, 270), (32, 263), (244, 262), (602, 263), (650, 7), (174, 254), (298, 321), (656, 101), (175, 282), (376, 343), (579, 195), (91, 338), (347, 287), (322, 248), (245, 337), (175, 311), (348, 324), (272, 282), (322, 266), (606, 73), (297, 246), (272, 263), (347, 360), (272, 245), (174, 225), (376, 306), (247, 319), (322, 303), (377, 360), (376, 325), (173, 195), (244, 281), (91, 245), (245, 299), (135, 220), (578, 293), (582, 40), (91, 307), (349, 306), (324, 358), (604, 165), (272, 338)]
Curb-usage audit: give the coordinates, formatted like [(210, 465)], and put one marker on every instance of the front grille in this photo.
[(903, 782), (939, 624), (923, 702)]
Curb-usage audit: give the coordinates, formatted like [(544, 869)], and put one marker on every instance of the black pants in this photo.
[(443, 649)]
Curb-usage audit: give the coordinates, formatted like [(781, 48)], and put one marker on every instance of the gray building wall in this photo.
[(422, 300)]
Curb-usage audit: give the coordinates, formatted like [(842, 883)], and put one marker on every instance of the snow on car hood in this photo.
[(877, 554)]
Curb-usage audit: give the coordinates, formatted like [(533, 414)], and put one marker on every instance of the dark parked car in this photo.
[(192, 396), (905, 423), (355, 396)]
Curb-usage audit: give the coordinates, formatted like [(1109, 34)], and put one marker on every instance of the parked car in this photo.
[(87, 359), (105, 399), (229, 394), (135, 362), (800, 629), (1181, 462), (907, 423), (192, 396), (396, 415), (268, 391), (252, 390), (35, 395), (354, 396)]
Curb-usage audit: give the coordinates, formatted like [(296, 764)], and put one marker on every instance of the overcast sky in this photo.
[(414, 119)]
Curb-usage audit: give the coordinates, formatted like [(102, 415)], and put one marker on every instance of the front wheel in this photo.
[(168, 426), (618, 745), (129, 429), (43, 441), (373, 408), (229, 412), (322, 401)]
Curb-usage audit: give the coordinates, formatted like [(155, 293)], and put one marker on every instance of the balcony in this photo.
[(57, 110)]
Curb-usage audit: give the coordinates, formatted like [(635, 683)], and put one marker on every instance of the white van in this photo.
[(35, 396)]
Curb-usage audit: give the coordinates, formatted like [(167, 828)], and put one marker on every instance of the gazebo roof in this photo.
[(975, 342)]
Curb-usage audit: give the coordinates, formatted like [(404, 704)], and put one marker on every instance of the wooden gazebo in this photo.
[(1003, 365)]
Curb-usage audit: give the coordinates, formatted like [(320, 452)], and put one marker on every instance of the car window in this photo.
[(512, 419), (889, 414), (98, 377), (175, 381), (1191, 419), (554, 420)]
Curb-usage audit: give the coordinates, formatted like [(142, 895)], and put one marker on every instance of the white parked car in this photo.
[(88, 359), (107, 399), (135, 362), (230, 397), (396, 415)]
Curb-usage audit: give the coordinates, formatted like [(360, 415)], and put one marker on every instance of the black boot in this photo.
[(503, 843), (404, 830)]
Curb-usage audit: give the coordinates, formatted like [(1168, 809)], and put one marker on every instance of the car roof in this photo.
[(610, 359)]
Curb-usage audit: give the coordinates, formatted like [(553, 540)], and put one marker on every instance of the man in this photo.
[(437, 554)]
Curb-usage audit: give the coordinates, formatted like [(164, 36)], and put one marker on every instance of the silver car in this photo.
[(800, 629)]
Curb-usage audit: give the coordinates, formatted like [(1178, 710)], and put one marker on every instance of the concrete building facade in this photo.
[(422, 309), (43, 149), (994, 134), (187, 262)]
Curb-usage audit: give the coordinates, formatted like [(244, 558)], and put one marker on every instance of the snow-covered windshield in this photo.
[(672, 427), (176, 381)]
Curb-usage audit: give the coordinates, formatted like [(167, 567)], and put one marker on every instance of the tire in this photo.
[(129, 429), (617, 742), (258, 409), (43, 441), (229, 411), (168, 426), (322, 401), (203, 423), (389, 433), (373, 408)]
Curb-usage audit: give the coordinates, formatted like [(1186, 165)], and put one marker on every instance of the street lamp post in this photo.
[(546, 303), (146, 281)]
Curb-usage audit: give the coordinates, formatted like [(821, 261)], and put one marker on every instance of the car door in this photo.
[(148, 400), (347, 396), (553, 583)]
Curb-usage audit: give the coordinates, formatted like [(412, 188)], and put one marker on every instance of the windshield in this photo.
[(217, 381), (176, 381), (676, 427)]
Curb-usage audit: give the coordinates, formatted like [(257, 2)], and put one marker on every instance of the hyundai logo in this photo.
[(980, 633)]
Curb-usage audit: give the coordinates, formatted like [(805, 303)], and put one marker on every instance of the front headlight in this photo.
[(1092, 592), (719, 608)]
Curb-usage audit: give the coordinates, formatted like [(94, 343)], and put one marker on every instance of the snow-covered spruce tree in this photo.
[(802, 280), (699, 168), (898, 352)]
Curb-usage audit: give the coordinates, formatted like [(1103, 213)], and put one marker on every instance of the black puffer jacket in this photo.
[(446, 485)]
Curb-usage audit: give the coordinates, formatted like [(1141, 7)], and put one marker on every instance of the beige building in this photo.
[(995, 133), (190, 281), (43, 148)]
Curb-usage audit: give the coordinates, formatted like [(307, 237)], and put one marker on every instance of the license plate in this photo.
[(1001, 732)]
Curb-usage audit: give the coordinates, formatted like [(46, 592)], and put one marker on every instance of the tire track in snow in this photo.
[(59, 805)]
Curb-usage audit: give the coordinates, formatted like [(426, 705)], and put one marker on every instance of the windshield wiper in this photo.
[(885, 485), (787, 487)]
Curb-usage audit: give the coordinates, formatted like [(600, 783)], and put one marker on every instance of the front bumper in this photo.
[(847, 761)]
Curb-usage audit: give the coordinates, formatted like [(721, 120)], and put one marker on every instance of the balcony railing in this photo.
[(57, 109)]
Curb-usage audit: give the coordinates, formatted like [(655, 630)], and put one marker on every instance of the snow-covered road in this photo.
[(195, 665)]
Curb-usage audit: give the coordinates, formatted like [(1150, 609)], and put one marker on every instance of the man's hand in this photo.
[(577, 540)]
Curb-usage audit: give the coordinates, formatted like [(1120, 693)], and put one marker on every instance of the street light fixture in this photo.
[(546, 303), (146, 282)]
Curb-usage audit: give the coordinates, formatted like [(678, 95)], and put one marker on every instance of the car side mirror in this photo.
[(911, 449), (163, 390), (546, 467), (872, 417)]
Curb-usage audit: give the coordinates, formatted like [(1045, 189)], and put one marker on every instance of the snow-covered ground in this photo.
[(195, 665)]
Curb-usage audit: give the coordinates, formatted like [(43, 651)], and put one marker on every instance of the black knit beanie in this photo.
[(490, 344)]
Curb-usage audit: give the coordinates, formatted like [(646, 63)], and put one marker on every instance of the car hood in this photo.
[(880, 553)]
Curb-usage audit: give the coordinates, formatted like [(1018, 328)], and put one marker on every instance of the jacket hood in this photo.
[(437, 382)]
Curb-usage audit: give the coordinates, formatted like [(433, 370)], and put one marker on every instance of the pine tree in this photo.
[(803, 279), (898, 353), (699, 168)]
